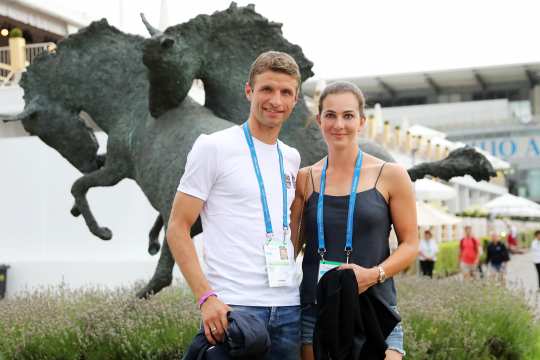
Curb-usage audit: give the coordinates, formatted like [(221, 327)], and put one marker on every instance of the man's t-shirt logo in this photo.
[(290, 181)]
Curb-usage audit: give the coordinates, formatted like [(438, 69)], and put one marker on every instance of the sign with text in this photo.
[(511, 148)]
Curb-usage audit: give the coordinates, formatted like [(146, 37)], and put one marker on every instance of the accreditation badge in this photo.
[(325, 266), (279, 263)]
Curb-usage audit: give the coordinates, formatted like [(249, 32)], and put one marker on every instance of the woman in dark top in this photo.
[(363, 196)]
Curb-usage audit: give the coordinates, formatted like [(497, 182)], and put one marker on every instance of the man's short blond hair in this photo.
[(275, 61)]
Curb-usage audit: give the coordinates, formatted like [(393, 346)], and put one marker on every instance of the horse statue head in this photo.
[(97, 71), (217, 49), (65, 132)]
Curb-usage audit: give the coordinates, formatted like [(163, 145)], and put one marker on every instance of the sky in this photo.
[(365, 38)]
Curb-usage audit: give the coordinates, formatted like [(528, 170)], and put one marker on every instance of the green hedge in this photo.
[(525, 238), (447, 259), (462, 320), (442, 319)]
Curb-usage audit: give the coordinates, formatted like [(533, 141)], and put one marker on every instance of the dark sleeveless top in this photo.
[(372, 224)]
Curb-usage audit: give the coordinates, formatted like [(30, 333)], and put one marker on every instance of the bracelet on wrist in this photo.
[(205, 297)]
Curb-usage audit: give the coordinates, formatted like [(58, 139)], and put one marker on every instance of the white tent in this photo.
[(427, 215), (427, 189), (511, 205)]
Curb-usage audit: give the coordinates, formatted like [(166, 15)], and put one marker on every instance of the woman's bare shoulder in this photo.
[(395, 170), (395, 179), (371, 160)]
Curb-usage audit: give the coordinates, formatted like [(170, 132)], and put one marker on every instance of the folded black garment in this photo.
[(246, 338), (350, 326)]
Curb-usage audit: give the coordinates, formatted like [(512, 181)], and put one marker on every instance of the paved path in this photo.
[(522, 276)]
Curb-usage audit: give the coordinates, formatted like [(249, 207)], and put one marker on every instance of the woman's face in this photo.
[(340, 120)]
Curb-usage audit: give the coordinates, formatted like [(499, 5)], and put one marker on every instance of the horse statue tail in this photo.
[(28, 111)]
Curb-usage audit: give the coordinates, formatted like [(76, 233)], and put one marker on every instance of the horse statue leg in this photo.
[(100, 160), (153, 243), (163, 274), (109, 175)]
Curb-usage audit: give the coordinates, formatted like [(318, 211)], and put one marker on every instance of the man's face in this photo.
[(272, 97), (468, 230)]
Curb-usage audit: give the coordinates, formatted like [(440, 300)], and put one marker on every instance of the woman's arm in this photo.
[(402, 204), (403, 211), (297, 207)]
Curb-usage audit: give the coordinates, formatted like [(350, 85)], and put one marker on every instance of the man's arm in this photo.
[(488, 254), (479, 251), (186, 209)]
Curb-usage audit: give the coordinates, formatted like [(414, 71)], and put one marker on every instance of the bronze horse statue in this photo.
[(100, 71)]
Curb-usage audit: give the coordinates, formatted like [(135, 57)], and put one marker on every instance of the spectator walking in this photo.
[(535, 249), (469, 253), (496, 258)]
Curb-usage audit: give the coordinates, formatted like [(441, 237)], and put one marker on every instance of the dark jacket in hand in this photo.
[(350, 326), (247, 338)]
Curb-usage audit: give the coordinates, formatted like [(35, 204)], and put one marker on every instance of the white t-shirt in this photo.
[(429, 249), (220, 171), (535, 250)]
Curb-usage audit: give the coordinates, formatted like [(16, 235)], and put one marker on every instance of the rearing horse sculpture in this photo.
[(100, 71)]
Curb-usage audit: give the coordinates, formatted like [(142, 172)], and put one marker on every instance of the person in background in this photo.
[(469, 253), (496, 257), (428, 254), (512, 240), (535, 250)]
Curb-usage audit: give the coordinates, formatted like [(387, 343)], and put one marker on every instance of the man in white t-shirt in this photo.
[(241, 182)]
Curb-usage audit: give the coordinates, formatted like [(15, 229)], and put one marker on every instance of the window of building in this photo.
[(510, 94), (533, 184), (404, 101)]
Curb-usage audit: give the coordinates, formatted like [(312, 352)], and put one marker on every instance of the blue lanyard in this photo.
[(350, 214), (266, 211)]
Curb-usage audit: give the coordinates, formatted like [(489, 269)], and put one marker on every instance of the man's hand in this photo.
[(364, 277), (214, 318)]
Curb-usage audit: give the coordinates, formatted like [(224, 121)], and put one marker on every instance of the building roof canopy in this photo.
[(458, 78)]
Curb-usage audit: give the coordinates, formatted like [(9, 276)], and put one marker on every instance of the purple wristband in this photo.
[(205, 297)]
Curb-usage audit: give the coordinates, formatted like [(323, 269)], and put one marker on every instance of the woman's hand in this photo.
[(364, 277)]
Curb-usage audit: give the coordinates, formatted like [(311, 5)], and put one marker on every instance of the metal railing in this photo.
[(4, 59), (32, 52)]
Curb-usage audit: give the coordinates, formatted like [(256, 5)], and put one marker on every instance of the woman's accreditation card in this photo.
[(325, 266)]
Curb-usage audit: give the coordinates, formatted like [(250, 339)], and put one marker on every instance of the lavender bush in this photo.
[(454, 319), (96, 324), (442, 319)]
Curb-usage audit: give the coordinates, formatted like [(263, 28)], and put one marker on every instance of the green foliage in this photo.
[(473, 213), (447, 259), (97, 324), (442, 319), (16, 33), (453, 319), (525, 238)]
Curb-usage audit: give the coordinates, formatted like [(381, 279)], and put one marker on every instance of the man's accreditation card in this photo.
[(325, 266), (279, 264)]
